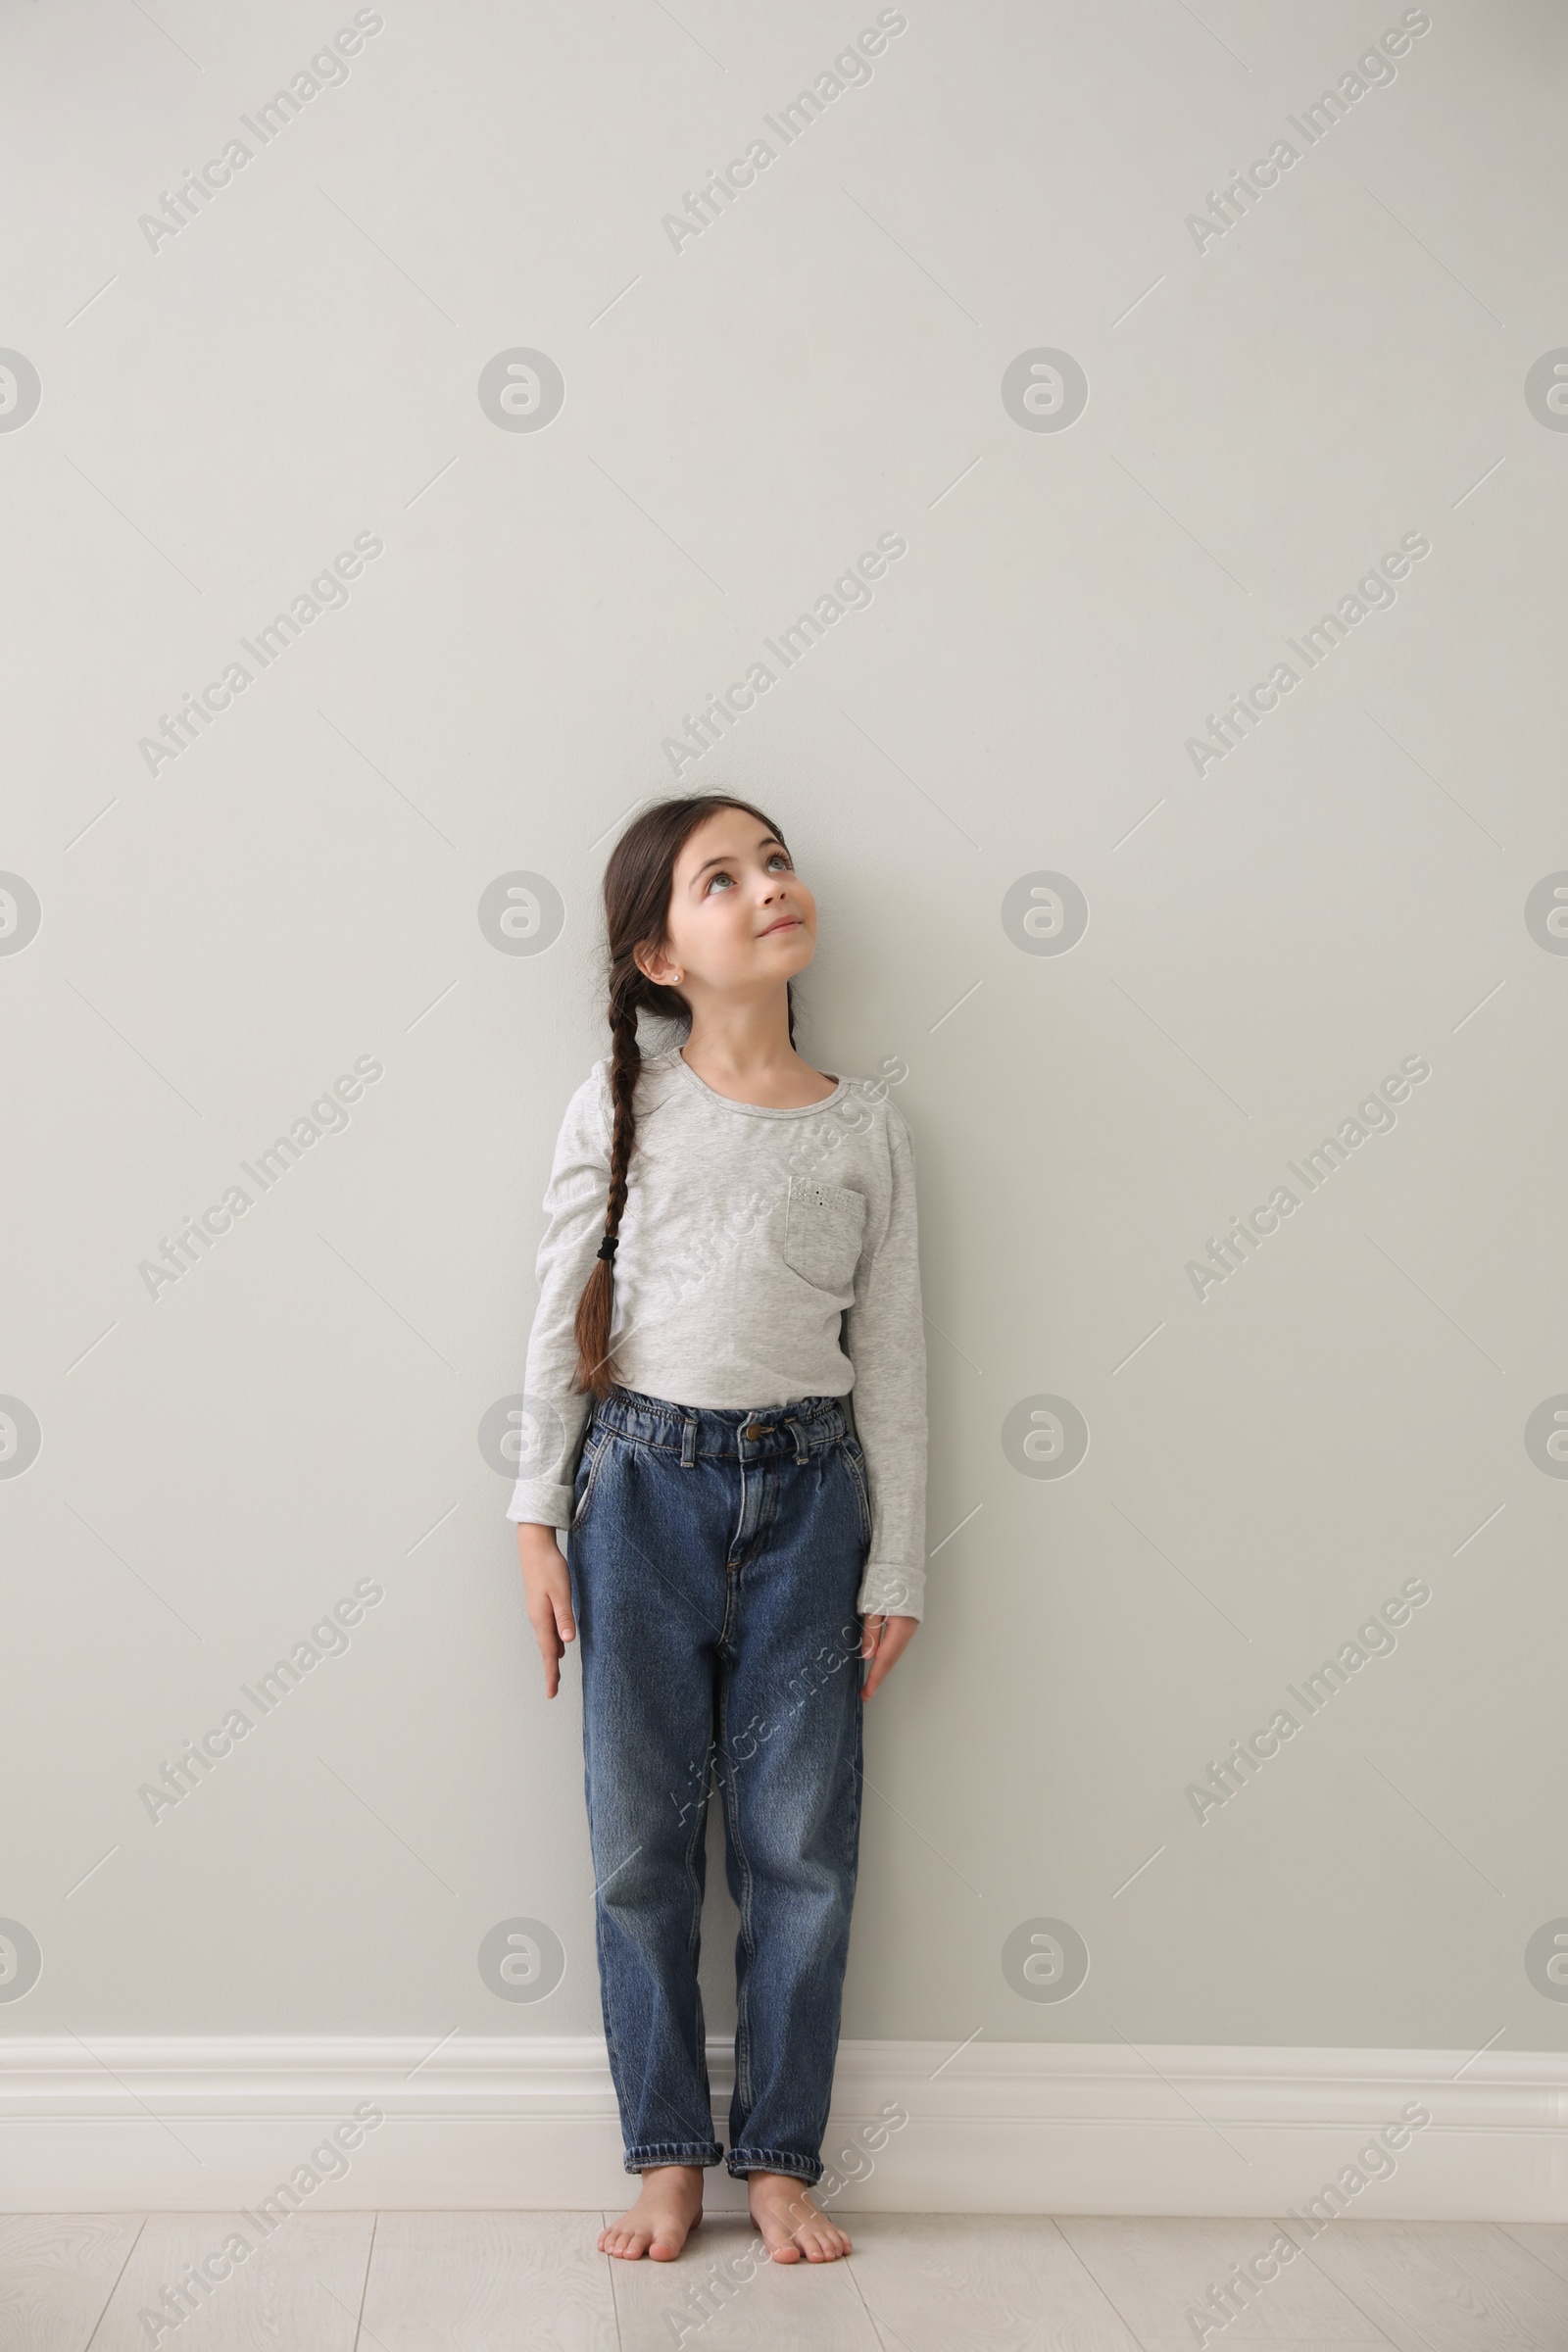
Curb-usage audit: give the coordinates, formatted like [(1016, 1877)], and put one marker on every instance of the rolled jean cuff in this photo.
[(673, 2151), (740, 2161)]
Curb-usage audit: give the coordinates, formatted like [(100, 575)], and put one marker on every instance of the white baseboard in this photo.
[(212, 2123)]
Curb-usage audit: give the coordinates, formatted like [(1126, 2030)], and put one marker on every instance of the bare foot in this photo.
[(668, 2209), (792, 2224)]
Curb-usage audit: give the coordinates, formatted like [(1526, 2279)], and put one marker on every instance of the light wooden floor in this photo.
[(916, 2283)]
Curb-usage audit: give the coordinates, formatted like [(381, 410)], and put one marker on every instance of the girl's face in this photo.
[(740, 917)]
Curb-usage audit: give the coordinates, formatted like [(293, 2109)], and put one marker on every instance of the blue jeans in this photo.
[(716, 1558)]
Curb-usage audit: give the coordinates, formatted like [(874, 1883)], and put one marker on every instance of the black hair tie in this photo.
[(609, 1246)]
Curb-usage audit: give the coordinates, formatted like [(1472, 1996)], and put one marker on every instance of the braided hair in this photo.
[(638, 880)]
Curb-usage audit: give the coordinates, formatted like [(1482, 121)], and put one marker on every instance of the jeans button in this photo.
[(753, 1428)]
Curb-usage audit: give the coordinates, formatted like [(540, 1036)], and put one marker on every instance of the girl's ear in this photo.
[(655, 965)]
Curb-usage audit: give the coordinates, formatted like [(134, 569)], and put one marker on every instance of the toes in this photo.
[(630, 2241)]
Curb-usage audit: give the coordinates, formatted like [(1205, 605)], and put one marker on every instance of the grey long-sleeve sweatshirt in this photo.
[(765, 1254)]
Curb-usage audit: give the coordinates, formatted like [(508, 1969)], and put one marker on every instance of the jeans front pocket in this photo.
[(855, 1463), (823, 1225), (588, 1468)]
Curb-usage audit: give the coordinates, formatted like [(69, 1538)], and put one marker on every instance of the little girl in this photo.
[(730, 1251)]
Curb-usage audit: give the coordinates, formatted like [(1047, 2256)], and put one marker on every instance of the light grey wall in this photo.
[(1270, 934)]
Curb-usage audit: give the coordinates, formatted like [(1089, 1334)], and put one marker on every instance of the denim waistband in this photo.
[(731, 1433)]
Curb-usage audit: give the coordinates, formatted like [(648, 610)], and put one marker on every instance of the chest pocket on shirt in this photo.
[(823, 1224)]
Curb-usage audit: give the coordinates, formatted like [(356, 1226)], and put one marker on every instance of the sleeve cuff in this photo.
[(888, 1590), (534, 1498)]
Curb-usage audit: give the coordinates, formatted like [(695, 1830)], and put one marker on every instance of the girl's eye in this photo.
[(774, 857)]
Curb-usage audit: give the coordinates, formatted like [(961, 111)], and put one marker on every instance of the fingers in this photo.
[(555, 1588), (544, 1615), (549, 1651), (547, 1584), (891, 1638)]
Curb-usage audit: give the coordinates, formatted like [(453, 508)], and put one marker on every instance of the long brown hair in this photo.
[(638, 880)]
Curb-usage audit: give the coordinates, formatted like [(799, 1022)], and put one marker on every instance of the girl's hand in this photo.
[(548, 1586), (885, 1640)]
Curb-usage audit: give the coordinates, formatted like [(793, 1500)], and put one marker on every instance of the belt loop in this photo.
[(802, 1450), (688, 1443)]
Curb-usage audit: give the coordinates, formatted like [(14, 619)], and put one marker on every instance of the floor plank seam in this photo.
[(364, 2282), (872, 2322), (1379, 2330), (1097, 2284), (114, 2289), (1556, 2276)]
